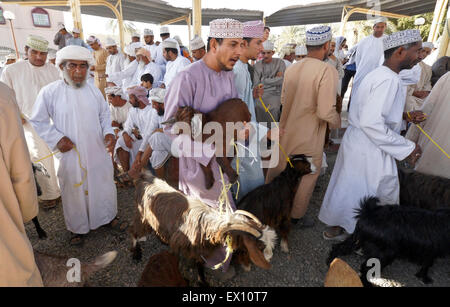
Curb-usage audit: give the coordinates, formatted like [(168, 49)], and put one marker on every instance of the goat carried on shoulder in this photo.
[(232, 111)]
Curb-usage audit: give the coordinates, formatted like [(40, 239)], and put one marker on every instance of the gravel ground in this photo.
[(304, 266)]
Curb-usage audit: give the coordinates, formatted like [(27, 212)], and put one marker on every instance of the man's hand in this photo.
[(162, 85), (65, 145), (115, 124), (279, 74), (258, 91), (110, 142), (244, 134), (275, 134), (137, 164), (415, 117), (421, 94), (128, 140), (415, 155), (92, 68)]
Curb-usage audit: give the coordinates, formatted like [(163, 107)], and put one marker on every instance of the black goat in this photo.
[(423, 191), (272, 203), (391, 231), (39, 167)]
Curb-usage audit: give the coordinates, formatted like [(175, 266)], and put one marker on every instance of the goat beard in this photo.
[(72, 83)]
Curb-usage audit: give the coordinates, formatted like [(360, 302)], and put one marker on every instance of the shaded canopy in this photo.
[(158, 11)]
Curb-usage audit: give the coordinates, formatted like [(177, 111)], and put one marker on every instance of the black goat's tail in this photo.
[(367, 207)]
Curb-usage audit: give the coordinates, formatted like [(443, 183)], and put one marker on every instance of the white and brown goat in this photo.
[(191, 228)]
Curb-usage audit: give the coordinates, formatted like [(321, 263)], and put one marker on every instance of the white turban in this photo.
[(110, 42), (428, 45), (76, 53), (301, 50), (170, 43), (11, 56), (157, 94), (116, 90), (197, 43), (380, 20), (268, 45)]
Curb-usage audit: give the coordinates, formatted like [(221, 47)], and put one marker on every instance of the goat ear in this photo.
[(256, 255)]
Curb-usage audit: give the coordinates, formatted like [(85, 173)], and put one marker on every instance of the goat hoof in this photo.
[(247, 267), (284, 246), (42, 235), (137, 255)]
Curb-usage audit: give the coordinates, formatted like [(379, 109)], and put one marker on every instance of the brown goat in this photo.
[(54, 269), (230, 111), (191, 228), (162, 271)]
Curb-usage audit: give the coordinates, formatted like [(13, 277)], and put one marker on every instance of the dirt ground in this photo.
[(304, 266)]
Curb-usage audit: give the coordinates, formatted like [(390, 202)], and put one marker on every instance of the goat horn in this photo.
[(249, 215), (244, 228)]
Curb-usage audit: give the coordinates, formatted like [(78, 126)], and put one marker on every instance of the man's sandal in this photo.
[(76, 239), (115, 224)]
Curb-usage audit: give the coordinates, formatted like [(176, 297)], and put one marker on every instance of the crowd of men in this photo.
[(96, 117)]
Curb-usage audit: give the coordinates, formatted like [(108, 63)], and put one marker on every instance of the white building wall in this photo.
[(23, 26)]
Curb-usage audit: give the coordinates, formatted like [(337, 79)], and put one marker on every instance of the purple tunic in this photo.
[(203, 89)]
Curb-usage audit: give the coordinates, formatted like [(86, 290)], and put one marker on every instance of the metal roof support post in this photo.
[(197, 16), (75, 8), (364, 11), (189, 22), (444, 46), (120, 24), (438, 16)]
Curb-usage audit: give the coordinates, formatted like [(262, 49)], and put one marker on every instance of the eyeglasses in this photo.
[(73, 66)]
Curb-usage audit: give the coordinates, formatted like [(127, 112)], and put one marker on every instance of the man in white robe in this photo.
[(72, 116), (156, 145), (159, 57), (437, 125), (175, 61), (130, 141), (125, 78), (116, 60), (198, 48), (27, 78), (146, 66), (417, 93), (149, 42), (369, 54), (119, 107), (366, 162)]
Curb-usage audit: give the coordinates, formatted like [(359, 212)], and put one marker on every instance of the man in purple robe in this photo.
[(204, 85)]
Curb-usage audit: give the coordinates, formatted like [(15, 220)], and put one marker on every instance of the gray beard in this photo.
[(69, 81), (141, 65)]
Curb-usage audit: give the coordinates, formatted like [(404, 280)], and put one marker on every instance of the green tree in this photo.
[(408, 23), (292, 34), (128, 26)]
